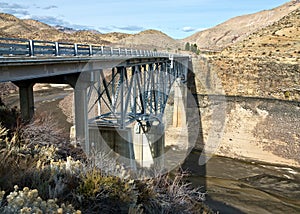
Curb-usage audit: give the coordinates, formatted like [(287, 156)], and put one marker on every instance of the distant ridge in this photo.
[(238, 28), (151, 39), (65, 29), (11, 26), (216, 38)]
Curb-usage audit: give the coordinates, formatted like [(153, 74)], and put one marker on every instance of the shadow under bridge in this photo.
[(121, 110)]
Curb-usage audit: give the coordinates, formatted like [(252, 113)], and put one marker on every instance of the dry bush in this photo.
[(28, 201), (8, 117), (32, 161), (44, 131), (173, 195)]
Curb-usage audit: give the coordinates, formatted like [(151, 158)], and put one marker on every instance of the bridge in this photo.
[(117, 91)]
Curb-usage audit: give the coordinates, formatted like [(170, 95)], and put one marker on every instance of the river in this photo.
[(235, 186), (232, 186)]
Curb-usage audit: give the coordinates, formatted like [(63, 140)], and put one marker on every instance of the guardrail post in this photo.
[(90, 50), (125, 52), (31, 47), (102, 50), (75, 49), (111, 51), (119, 51), (56, 49)]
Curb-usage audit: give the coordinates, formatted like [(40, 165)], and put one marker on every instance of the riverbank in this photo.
[(237, 186), (252, 129)]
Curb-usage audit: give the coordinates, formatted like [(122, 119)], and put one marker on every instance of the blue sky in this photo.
[(178, 19)]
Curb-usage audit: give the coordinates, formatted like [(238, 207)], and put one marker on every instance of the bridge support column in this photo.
[(179, 116), (149, 145), (26, 99), (185, 67), (81, 117)]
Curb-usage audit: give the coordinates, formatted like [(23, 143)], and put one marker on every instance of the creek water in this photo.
[(235, 186), (232, 186)]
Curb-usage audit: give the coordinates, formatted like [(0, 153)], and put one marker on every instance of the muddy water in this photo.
[(232, 186), (235, 186)]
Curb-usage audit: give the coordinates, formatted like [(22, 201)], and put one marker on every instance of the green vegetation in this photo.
[(41, 172), (192, 47), (187, 46)]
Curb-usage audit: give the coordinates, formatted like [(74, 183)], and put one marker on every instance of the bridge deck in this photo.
[(28, 59)]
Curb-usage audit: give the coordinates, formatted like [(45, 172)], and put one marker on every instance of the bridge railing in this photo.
[(23, 47)]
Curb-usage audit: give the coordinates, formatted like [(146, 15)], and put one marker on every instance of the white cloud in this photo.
[(54, 21), (188, 29), (14, 9)]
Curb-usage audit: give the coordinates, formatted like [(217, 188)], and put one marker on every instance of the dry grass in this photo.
[(31, 161)]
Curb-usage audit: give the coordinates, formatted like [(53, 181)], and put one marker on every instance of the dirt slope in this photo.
[(151, 39), (238, 28)]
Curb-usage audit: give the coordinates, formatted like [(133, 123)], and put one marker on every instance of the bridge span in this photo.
[(114, 88)]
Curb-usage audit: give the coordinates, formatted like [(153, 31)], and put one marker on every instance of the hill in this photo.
[(11, 26), (151, 39), (265, 64), (238, 28)]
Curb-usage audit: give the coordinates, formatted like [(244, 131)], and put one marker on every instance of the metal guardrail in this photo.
[(23, 47)]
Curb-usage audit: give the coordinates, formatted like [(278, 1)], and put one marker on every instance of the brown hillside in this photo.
[(238, 28), (279, 41), (115, 37), (266, 64), (151, 39), (12, 27)]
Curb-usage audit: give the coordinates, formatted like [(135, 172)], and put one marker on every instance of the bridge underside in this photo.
[(119, 94), (131, 95), (124, 96)]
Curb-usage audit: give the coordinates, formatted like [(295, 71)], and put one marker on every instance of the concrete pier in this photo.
[(26, 99), (149, 145), (180, 94), (141, 146)]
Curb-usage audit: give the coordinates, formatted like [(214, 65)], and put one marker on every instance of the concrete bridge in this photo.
[(117, 91)]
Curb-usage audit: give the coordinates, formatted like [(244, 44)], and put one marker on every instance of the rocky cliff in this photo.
[(265, 64), (258, 81)]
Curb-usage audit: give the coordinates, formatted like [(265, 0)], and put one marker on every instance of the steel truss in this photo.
[(119, 96)]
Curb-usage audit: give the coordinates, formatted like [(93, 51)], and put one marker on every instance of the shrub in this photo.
[(8, 117), (287, 94), (28, 201), (48, 179)]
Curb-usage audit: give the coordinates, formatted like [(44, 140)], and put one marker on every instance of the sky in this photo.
[(178, 19)]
